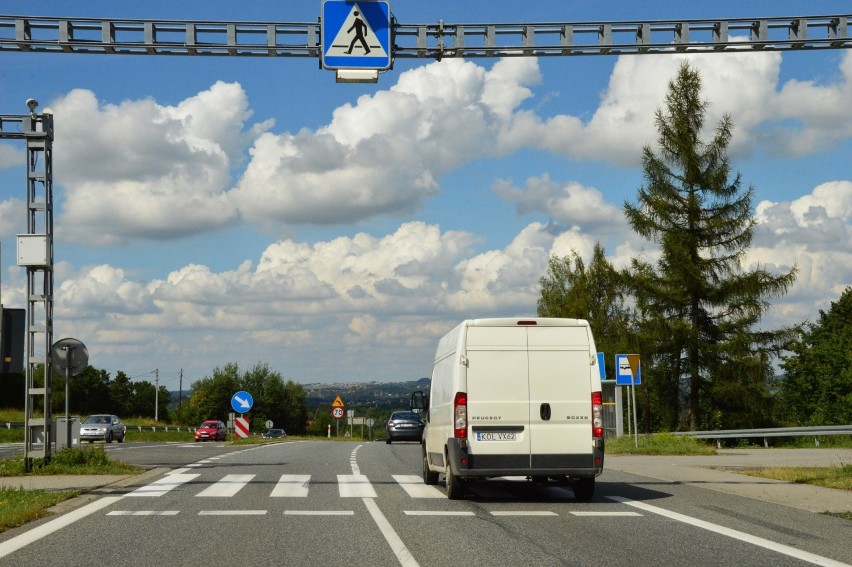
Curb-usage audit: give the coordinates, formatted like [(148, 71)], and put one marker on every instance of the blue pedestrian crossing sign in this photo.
[(356, 34)]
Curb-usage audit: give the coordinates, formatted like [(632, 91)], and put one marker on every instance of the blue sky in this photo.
[(226, 209)]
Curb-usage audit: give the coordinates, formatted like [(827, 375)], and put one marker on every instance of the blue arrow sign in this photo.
[(242, 402), (356, 34)]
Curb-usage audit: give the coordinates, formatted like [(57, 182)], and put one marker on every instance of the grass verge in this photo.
[(658, 444), (19, 506)]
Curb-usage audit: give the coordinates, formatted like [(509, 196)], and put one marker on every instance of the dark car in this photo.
[(273, 434), (211, 430), (102, 427), (404, 426)]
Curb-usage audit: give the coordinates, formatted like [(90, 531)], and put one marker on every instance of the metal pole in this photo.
[(633, 392), (69, 353)]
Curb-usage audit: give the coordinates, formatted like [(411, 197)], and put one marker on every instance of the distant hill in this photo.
[(383, 395)]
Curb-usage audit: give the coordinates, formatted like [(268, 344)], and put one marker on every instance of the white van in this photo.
[(514, 397)]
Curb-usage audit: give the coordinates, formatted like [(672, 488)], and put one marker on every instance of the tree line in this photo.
[(693, 313)]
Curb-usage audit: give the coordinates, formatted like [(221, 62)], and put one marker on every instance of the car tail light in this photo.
[(460, 415), (597, 415)]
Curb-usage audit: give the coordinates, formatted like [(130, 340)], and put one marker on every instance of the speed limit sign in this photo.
[(337, 413)]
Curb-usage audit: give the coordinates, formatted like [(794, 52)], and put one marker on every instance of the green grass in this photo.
[(839, 477), (84, 460), (659, 444), (19, 506)]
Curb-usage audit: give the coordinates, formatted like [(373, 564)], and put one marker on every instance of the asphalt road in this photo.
[(347, 503)]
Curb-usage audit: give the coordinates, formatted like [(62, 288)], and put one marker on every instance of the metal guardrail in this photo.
[(20, 425), (815, 431)]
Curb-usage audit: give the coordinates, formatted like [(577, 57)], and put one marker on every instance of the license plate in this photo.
[(495, 436)]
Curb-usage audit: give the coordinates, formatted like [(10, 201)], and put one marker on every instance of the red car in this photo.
[(211, 430)]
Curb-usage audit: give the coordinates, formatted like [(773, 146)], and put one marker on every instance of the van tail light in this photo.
[(597, 415), (460, 415)]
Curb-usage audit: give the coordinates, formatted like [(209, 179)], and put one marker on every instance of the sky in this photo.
[(211, 210)]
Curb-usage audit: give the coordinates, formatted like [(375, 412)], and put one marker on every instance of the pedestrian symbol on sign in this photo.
[(360, 29), (356, 35)]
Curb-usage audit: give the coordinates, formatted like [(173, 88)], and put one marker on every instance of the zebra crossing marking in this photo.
[(228, 486), (414, 487), (355, 486), (291, 486), (163, 485)]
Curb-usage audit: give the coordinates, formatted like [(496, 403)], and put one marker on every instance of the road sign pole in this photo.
[(635, 427), (69, 353)]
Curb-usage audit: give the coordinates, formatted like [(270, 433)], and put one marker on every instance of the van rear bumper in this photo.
[(467, 465)]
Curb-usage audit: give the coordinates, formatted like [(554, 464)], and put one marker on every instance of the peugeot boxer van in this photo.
[(514, 397)]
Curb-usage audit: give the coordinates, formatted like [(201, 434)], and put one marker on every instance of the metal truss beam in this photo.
[(435, 41)]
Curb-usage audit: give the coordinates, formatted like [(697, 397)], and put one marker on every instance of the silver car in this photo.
[(102, 427)]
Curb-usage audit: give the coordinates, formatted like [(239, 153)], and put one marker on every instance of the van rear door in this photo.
[(560, 393), (498, 395)]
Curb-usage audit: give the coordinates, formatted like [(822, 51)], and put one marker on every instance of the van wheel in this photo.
[(455, 485), (429, 477), (584, 489)]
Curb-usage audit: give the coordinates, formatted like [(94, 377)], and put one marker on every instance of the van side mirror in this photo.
[(419, 401)]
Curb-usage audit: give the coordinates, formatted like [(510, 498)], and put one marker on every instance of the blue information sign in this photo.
[(356, 34), (242, 402), (623, 374)]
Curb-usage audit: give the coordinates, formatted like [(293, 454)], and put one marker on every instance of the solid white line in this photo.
[(354, 486), (319, 513), (143, 513), (436, 513), (178, 471), (228, 486), (524, 513), (232, 513), (291, 486), (413, 485), (43, 530), (402, 554), (742, 536)]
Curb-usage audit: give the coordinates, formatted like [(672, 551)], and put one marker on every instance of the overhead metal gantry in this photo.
[(435, 41)]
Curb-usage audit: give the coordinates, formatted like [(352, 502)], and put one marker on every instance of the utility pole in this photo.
[(156, 394), (180, 394)]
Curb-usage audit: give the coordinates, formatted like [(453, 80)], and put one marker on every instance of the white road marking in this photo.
[(319, 513), (232, 513), (523, 513), (606, 514), (742, 536), (397, 546), (413, 485), (228, 486), (355, 486), (48, 528), (165, 484), (436, 513), (143, 513), (291, 486)]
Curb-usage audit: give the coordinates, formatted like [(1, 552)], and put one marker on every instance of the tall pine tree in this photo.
[(697, 305)]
